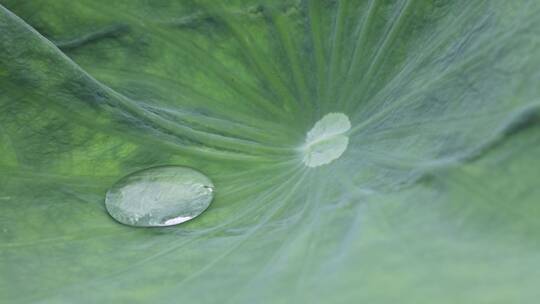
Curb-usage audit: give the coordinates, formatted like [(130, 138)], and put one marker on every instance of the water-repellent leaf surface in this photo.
[(435, 198)]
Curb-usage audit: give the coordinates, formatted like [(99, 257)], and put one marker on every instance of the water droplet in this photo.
[(159, 196), (327, 140)]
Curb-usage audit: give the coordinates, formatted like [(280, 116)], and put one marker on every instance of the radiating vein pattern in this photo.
[(361, 150)]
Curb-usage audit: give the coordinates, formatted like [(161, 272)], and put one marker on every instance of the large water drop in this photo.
[(327, 140), (159, 196)]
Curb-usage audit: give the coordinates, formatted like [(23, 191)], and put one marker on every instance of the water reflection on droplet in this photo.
[(159, 196)]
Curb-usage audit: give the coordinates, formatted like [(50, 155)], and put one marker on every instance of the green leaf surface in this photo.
[(436, 198)]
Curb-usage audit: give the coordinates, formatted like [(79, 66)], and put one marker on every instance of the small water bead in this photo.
[(159, 196), (327, 140)]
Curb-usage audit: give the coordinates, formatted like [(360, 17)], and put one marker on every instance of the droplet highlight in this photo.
[(327, 140), (159, 196)]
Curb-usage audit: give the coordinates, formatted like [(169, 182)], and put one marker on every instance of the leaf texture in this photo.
[(435, 199)]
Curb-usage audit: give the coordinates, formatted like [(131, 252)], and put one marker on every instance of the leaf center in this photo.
[(327, 140)]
